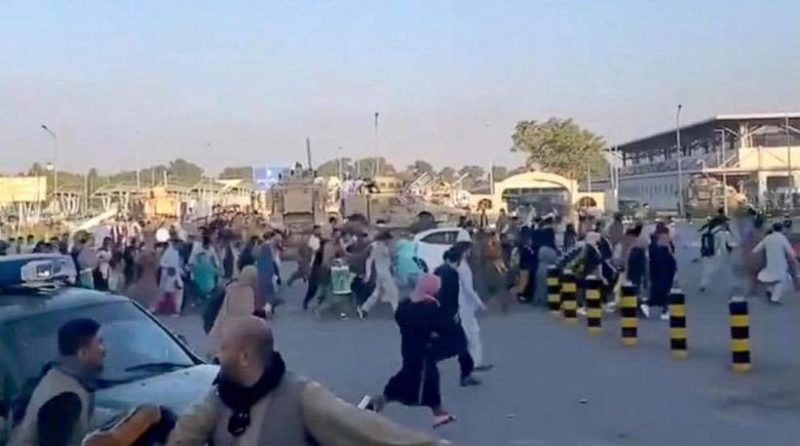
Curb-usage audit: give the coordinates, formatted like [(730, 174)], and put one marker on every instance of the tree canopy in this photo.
[(420, 167), (181, 171), (500, 173), (560, 146), (237, 173)]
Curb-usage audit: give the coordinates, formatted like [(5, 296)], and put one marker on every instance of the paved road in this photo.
[(555, 385)]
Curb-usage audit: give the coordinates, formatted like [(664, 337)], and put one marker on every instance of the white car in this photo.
[(431, 245)]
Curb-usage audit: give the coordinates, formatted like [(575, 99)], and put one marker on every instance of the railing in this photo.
[(709, 161)]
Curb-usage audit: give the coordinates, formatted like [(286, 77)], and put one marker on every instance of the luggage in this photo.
[(341, 278)]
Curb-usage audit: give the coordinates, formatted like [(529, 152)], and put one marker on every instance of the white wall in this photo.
[(660, 191)]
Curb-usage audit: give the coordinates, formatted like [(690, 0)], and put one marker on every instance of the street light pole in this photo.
[(55, 157), (341, 177), (724, 173), (680, 159), (376, 167), (789, 153)]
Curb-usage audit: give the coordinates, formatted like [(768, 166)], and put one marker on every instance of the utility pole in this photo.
[(724, 173), (56, 153), (680, 159), (376, 167), (341, 174), (789, 153), (308, 153)]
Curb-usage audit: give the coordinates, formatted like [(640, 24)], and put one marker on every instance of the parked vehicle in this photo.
[(431, 245)]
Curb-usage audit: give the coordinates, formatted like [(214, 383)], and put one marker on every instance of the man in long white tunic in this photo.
[(385, 287), (719, 259), (468, 305), (776, 276)]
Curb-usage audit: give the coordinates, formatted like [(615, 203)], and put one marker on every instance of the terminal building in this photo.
[(756, 154)]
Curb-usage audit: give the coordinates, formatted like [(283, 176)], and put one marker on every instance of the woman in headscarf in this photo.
[(239, 302), (417, 382)]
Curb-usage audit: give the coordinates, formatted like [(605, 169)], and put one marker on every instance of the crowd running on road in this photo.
[(234, 276)]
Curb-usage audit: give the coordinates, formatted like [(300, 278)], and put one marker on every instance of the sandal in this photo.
[(441, 420)]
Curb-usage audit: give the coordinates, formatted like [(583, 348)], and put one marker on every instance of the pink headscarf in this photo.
[(427, 287)]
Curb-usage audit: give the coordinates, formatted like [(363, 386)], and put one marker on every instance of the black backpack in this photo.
[(707, 244)]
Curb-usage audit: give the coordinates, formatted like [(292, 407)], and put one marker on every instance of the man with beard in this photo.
[(256, 401), (60, 409)]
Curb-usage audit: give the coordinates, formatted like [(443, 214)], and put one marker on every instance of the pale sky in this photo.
[(127, 82)]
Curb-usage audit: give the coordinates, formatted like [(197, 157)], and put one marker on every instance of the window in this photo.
[(441, 238)]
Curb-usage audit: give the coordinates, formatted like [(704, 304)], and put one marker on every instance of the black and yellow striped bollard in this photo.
[(740, 334), (569, 302), (629, 306), (677, 324), (554, 290), (594, 307)]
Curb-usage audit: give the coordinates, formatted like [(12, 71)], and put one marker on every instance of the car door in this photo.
[(433, 243)]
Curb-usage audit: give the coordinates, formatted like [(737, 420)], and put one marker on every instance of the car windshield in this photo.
[(132, 339)]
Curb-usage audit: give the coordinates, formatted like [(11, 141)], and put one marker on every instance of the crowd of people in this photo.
[(238, 280)]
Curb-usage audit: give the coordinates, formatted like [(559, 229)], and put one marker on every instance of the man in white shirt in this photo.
[(717, 256), (781, 266)]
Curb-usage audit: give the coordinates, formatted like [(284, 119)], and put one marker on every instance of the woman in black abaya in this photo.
[(417, 382)]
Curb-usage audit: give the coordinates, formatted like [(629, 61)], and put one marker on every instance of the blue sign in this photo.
[(266, 177)]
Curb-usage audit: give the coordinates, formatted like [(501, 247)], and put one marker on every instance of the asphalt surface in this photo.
[(555, 384)]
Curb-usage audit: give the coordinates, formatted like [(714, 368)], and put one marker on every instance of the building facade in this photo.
[(756, 154)]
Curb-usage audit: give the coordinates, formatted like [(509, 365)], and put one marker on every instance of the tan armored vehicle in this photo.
[(399, 211), (298, 203), (704, 195)]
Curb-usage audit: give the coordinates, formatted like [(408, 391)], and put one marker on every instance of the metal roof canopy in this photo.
[(703, 128)]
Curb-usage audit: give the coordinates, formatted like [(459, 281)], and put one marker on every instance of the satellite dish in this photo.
[(162, 235)]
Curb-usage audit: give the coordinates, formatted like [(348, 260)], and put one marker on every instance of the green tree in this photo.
[(447, 174), (420, 167), (365, 167), (475, 176), (36, 169), (93, 180), (330, 168), (472, 172), (237, 173), (185, 172), (560, 146), (499, 173)]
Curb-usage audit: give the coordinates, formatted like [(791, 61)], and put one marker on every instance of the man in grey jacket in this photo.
[(60, 409), (256, 401)]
